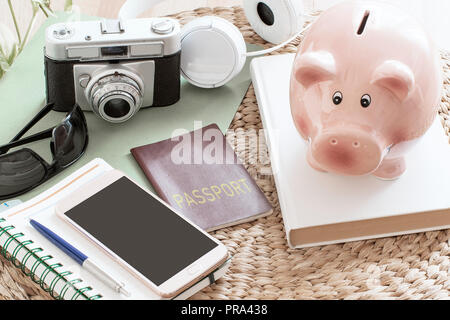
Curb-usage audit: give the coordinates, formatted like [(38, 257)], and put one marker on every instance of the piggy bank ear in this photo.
[(314, 67), (396, 77)]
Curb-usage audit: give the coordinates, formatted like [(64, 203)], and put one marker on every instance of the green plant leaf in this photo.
[(12, 55), (44, 5), (7, 40), (68, 5), (4, 66), (8, 49)]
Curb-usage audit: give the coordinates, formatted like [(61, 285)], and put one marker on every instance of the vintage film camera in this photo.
[(113, 67)]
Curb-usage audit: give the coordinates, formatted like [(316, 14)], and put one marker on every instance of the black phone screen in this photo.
[(141, 230)]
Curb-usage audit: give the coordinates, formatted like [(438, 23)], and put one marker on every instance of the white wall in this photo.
[(435, 15)]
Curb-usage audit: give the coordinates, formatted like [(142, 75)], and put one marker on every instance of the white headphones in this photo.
[(214, 50)]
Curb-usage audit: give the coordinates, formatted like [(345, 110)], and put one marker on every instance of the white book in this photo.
[(323, 208), (52, 268)]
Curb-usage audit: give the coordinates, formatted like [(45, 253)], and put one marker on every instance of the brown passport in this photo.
[(199, 175)]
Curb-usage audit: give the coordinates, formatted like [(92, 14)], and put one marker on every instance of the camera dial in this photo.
[(115, 97), (62, 32)]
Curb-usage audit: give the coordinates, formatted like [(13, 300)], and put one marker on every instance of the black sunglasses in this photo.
[(23, 170)]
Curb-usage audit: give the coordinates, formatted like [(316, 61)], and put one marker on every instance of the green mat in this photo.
[(22, 94)]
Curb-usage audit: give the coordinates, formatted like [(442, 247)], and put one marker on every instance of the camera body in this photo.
[(113, 67)]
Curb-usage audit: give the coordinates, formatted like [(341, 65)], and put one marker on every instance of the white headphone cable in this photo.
[(281, 45)]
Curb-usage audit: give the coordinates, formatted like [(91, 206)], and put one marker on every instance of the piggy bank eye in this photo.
[(337, 97), (365, 101)]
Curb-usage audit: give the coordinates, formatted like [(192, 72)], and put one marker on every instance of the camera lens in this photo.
[(116, 108), (265, 13), (115, 97)]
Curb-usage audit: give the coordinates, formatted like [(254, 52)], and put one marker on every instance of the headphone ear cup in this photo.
[(274, 20), (212, 52)]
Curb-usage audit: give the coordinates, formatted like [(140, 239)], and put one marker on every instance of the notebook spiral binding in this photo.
[(32, 253)]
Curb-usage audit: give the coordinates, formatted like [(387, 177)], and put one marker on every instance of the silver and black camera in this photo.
[(113, 67)]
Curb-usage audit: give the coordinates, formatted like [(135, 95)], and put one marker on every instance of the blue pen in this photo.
[(79, 257)]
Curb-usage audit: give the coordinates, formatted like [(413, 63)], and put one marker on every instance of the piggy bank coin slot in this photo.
[(362, 26)]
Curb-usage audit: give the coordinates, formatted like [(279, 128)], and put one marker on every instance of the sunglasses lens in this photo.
[(70, 139), (19, 171)]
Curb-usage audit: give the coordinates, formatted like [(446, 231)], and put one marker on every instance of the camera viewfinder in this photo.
[(115, 51)]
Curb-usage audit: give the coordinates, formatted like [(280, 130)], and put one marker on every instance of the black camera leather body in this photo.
[(60, 87)]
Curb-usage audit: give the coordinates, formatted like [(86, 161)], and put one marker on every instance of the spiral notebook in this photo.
[(54, 271)]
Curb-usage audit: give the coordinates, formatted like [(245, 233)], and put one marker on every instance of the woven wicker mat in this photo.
[(263, 267)]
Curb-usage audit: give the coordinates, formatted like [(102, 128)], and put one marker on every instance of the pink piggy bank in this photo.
[(365, 85)]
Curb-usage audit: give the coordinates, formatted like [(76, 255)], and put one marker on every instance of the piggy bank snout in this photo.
[(348, 151)]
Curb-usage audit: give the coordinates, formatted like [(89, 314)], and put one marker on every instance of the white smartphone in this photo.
[(142, 233)]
